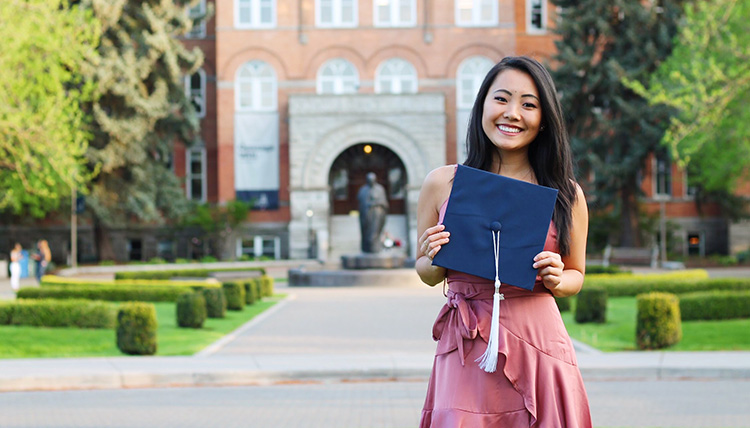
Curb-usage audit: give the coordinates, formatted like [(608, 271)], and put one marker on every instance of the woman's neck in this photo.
[(517, 167)]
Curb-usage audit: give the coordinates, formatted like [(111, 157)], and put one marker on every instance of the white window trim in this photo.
[(530, 28), (258, 245), (201, 33), (319, 84), (395, 9), (189, 91), (337, 15), (413, 78), (257, 105), (459, 87), (255, 24), (655, 179), (189, 174), (475, 15)]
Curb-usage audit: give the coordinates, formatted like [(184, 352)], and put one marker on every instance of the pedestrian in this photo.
[(516, 130), (16, 255), (42, 256)]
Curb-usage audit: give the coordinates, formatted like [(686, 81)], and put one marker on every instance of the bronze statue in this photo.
[(373, 208)]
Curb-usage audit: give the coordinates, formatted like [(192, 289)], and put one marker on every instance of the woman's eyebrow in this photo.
[(510, 94)]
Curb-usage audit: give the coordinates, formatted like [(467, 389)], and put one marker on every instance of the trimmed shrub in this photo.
[(681, 282), (266, 286), (58, 313), (101, 292), (658, 322), (252, 293), (191, 310), (591, 305), (715, 305), (136, 328), (185, 273), (235, 294), (76, 282), (216, 302), (599, 269), (563, 303)]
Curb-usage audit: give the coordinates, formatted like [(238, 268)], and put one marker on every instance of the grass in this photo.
[(618, 333), (40, 342)]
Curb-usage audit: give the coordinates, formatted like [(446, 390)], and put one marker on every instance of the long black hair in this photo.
[(549, 154)]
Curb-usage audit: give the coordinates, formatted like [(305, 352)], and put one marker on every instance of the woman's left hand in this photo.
[(550, 266)]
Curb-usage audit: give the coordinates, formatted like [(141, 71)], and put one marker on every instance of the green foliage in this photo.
[(219, 222), (715, 305), (266, 286), (136, 328), (142, 293), (707, 80), (185, 273), (591, 305), (191, 310), (613, 130), (75, 282), (658, 323), (598, 269), (252, 290), (216, 302), (48, 50), (235, 294), (563, 303), (57, 313)]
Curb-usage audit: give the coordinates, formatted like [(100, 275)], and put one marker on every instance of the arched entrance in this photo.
[(347, 176)]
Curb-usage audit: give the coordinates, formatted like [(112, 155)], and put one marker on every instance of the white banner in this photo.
[(256, 158)]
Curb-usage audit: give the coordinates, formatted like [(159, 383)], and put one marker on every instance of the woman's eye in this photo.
[(529, 105), (500, 99)]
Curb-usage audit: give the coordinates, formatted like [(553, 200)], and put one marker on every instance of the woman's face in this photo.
[(512, 111)]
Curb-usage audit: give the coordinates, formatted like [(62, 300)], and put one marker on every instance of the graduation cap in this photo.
[(497, 225)]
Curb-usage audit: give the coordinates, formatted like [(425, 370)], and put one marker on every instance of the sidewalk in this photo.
[(318, 334)]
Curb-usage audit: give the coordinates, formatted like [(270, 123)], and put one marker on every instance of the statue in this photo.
[(373, 207)]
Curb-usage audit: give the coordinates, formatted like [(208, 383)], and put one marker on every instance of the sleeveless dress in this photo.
[(537, 382)]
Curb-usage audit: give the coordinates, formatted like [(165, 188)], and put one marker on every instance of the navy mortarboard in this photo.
[(497, 226)]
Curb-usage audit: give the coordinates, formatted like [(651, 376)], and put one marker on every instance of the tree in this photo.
[(140, 112), (613, 130), (47, 50), (707, 80), (220, 224)]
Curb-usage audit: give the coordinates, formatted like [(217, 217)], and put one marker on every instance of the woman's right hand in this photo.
[(432, 240)]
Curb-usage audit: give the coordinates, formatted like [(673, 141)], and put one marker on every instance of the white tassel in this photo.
[(488, 361)]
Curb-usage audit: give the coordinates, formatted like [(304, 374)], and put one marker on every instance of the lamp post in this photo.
[(310, 238)]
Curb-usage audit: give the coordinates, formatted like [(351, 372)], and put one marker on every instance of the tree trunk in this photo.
[(629, 234), (102, 241)]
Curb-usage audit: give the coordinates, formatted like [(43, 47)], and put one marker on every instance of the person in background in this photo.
[(41, 257), (16, 255)]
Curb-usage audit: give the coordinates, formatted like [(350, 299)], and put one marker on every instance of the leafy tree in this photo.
[(47, 49), (613, 130), (707, 80), (141, 110), (219, 223)]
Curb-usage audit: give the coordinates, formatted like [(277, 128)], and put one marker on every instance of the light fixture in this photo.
[(368, 149)]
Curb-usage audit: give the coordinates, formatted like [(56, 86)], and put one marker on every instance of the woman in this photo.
[(516, 130), (16, 254), (42, 258)]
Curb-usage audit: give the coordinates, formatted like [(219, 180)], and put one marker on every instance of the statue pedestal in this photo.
[(373, 261)]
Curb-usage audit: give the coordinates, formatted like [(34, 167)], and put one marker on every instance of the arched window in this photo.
[(195, 89), (256, 88), (396, 76), (469, 77), (337, 76)]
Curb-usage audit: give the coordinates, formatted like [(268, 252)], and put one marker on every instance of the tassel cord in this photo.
[(488, 361)]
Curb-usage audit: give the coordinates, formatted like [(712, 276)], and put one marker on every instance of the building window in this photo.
[(256, 87), (195, 177), (259, 246), (395, 13), (255, 13), (536, 16), (662, 174), (336, 13), (469, 78), (476, 13), (396, 76), (195, 89), (337, 76), (199, 30)]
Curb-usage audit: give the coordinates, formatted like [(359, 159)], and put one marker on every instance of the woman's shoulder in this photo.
[(441, 175)]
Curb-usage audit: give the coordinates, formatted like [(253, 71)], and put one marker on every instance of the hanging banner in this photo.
[(256, 159)]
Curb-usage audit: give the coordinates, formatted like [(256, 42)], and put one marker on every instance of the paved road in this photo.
[(367, 404)]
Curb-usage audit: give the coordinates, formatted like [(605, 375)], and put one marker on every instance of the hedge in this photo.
[(715, 305), (252, 290), (266, 286), (185, 273), (563, 303), (599, 269), (136, 328), (591, 305), (48, 280), (235, 293), (658, 323), (102, 292), (216, 302), (58, 313), (620, 285), (191, 310)]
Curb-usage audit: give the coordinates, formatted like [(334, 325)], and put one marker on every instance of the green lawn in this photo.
[(39, 342), (618, 333)]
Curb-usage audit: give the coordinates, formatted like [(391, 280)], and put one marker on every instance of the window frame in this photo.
[(255, 15), (394, 15), (201, 28), (476, 14), (413, 78), (530, 29), (256, 83), (190, 92), (336, 12), (669, 177), (189, 177), (319, 80)]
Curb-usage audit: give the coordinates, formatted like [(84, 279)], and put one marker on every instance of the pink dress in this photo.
[(537, 382)]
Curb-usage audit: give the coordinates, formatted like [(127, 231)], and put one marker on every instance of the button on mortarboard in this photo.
[(520, 211)]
